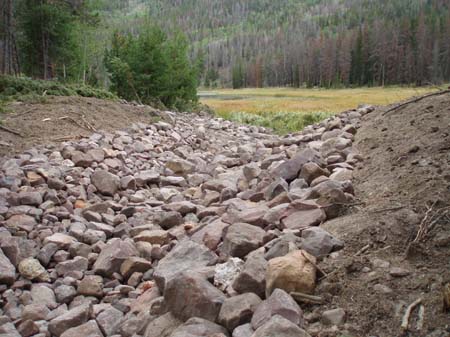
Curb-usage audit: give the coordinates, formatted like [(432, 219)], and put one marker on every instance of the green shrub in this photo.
[(22, 88), (280, 122)]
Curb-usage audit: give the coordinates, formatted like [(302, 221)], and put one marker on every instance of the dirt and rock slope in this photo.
[(195, 226)]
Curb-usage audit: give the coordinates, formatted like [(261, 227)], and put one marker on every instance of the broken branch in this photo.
[(305, 298), (14, 132), (409, 309)]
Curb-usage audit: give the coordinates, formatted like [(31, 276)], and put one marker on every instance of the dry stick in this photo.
[(14, 132), (315, 265), (416, 100), (362, 250), (25, 112), (405, 320), (419, 325), (423, 224), (305, 298)]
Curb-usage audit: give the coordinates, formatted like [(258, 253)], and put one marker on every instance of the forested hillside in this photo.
[(315, 42), (249, 43)]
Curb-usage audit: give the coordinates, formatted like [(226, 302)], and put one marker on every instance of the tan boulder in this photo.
[(293, 272)]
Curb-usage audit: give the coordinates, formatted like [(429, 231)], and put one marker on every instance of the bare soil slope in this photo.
[(65, 118), (403, 182)]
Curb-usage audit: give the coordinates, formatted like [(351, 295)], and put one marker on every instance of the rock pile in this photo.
[(191, 226)]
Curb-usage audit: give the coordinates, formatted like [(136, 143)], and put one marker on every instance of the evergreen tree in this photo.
[(48, 45), (152, 67)]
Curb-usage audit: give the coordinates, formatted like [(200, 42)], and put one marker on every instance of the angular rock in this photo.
[(304, 219), (113, 255), (211, 234), (157, 236), (133, 265), (88, 329), (278, 326), (186, 256), (238, 310), (189, 295), (108, 320), (70, 319), (91, 285), (226, 273), (198, 327), (7, 270), (105, 182), (311, 171), (21, 222), (319, 242), (290, 169), (242, 238), (279, 303), (253, 275), (162, 326), (334, 317), (35, 312)]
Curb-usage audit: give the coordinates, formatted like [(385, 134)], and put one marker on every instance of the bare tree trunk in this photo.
[(9, 61)]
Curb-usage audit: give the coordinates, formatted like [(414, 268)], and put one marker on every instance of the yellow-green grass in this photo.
[(288, 110), (264, 100)]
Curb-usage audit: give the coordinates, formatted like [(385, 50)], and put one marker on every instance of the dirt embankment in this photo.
[(403, 183), (64, 118)]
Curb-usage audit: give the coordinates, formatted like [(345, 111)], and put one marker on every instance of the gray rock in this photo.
[(70, 319), (30, 198), (245, 330), (88, 329), (109, 320), (238, 310), (242, 238), (333, 317), (319, 242), (186, 256), (198, 327), (278, 326), (65, 293), (189, 295), (35, 312), (7, 270), (162, 326), (105, 182), (253, 275), (279, 303), (290, 169), (113, 255)]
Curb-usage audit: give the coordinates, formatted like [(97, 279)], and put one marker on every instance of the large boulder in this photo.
[(113, 255), (278, 326), (186, 256), (293, 272), (279, 303), (238, 310), (190, 295), (105, 182), (242, 238)]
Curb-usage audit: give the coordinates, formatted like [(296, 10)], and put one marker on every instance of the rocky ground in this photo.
[(195, 226)]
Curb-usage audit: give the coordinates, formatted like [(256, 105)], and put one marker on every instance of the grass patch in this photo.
[(280, 122), (260, 101), (33, 91)]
